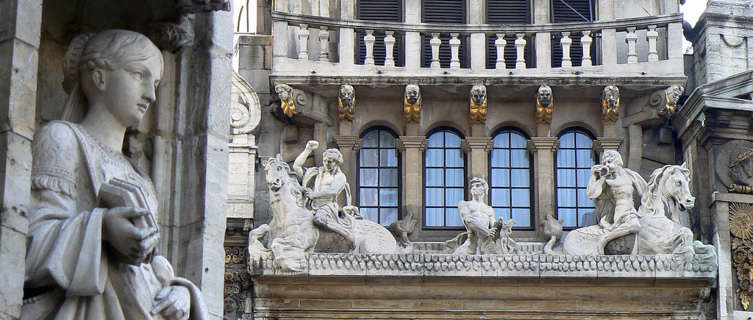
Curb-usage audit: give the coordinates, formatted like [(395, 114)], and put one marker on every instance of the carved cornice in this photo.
[(508, 266), (471, 143), (604, 143), (543, 143), (412, 142), (348, 142)]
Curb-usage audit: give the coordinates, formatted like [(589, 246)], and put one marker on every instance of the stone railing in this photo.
[(320, 46), (510, 266)]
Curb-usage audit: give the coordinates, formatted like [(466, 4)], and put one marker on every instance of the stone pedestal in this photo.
[(543, 149), (477, 149), (412, 150)]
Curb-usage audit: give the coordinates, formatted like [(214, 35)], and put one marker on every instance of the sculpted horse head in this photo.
[(671, 185), (278, 172)]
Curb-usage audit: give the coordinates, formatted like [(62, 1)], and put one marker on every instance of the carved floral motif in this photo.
[(741, 228)]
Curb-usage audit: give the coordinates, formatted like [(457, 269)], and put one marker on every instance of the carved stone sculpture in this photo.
[(741, 170), (485, 234), (672, 97), (741, 228), (478, 103), (301, 213), (92, 234), (412, 103), (553, 230), (347, 102), (402, 229), (610, 103), (287, 105), (544, 104)]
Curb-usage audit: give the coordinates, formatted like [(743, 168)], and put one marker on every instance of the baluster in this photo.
[(389, 45), (500, 43), (435, 42), (585, 42), (565, 41), (455, 51), (631, 38), (520, 47), (369, 40), (651, 35), (323, 44), (303, 42)]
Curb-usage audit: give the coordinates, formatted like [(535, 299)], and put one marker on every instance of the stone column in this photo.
[(412, 150), (720, 210), (349, 146), (19, 54), (477, 149), (543, 149)]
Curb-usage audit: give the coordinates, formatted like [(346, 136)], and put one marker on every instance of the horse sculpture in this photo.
[(668, 192), (295, 229)]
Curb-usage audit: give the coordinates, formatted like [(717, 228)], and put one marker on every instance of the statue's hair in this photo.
[(333, 154), (614, 153), (108, 50), (481, 181)]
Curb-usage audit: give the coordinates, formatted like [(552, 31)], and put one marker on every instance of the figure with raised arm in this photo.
[(92, 233)]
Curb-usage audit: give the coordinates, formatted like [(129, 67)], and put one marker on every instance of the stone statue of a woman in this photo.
[(92, 234)]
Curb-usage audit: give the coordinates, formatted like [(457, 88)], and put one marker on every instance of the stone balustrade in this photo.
[(321, 46)]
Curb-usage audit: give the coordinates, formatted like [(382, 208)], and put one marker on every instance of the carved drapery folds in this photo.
[(478, 104), (287, 105), (544, 104), (412, 103), (347, 102), (610, 104), (741, 228)]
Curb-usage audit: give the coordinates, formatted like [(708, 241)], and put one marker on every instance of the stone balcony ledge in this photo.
[(509, 266)]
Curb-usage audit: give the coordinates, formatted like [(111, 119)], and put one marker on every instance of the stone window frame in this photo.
[(578, 186), (397, 167), (510, 167), (425, 207)]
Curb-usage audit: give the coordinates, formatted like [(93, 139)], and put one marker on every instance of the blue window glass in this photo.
[(510, 178), (574, 161), (378, 172), (444, 179)]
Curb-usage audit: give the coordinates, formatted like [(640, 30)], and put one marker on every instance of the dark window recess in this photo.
[(443, 11), (572, 11), (508, 12), (380, 10)]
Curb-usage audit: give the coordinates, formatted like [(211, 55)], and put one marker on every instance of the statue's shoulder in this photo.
[(58, 135), (56, 157)]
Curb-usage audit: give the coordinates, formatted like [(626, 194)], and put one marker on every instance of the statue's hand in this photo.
[(120, 232), (173, 303), (312, 145)]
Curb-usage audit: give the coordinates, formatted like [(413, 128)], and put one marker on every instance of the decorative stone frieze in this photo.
[(478, 104), (412, 103), (544, 104), (741, 228), (347, 102), (610, 104)]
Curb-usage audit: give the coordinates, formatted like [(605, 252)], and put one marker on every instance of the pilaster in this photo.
[(606, 143), (543, 149), (477, 149), (412, 149), (349, 146)]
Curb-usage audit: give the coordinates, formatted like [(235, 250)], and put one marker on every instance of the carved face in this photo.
[(678, 190), (412, 93), (611, 96), (332, 159), (478, 94), (673, 94), (276, 172), (611, 159), (347, 94), (478, 190), (129, 91), (284, 91), (545, 95)]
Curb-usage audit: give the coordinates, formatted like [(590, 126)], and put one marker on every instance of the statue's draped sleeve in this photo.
[(65, 235)]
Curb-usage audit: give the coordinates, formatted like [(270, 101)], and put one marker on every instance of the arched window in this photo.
[(444, 179), (378, 176), (574, 161), (510, 178)]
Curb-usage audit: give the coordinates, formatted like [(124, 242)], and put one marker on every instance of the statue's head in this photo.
[(332, 159), (611, 159), (118, 70), (673, 94), (284, 91), (478, 94), (347, 94), (412, 93), (479, 187), (611, 96), (544, 95), (741, 166)]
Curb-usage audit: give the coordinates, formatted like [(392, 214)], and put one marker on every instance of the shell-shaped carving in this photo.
[(741, 220)]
